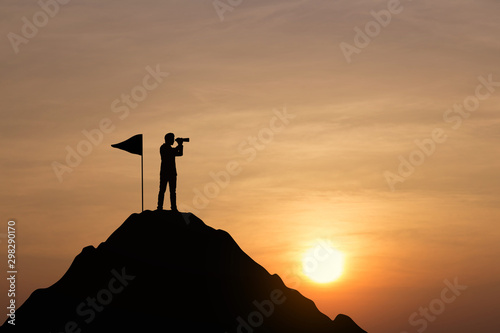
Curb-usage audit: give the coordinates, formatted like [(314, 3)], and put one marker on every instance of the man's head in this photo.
[(169, 138)]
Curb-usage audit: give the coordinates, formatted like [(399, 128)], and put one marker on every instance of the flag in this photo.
[(132, 145)]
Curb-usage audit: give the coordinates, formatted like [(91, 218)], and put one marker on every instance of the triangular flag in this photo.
[(132, 145)]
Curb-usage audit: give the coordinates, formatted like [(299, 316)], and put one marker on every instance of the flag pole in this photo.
[(142, 179), (135, 145)]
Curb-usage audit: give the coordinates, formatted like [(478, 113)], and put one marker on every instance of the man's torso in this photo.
[(168, 160)]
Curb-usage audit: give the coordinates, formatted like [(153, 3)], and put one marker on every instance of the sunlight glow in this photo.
[(323, 263)]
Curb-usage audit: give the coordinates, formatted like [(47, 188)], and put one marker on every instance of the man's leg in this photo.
[(161, 193), (172, 186)]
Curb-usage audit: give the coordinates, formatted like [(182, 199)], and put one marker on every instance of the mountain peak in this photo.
[(170, 270)]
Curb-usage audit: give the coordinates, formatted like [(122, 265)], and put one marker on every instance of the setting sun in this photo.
[(323, 263)]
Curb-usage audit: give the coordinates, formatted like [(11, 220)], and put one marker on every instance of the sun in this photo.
[(323, 263)]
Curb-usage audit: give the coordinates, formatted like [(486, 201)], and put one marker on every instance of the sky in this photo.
[(372, 125)]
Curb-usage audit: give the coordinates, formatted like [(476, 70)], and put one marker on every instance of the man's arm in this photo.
[(162, 152), (179, 150)]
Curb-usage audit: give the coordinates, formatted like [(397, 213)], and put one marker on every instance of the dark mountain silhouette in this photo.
[(163, 271)]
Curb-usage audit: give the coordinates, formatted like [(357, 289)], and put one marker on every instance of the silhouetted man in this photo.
[(168, 172)]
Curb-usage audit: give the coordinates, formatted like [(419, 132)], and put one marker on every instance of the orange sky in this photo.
[(329, 167)]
